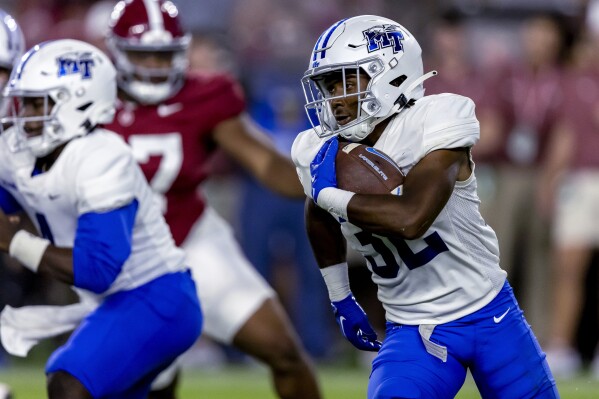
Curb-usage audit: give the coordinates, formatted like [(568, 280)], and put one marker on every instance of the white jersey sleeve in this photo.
[(450, 123), (105, 180), (304, 149), (443, 121)]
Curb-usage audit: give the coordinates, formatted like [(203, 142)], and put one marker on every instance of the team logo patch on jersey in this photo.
[(76, 64), (383, 36)]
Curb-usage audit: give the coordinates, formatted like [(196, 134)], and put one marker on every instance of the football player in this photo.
[(101, 230), (448, 305), (174, 120), (12, 46)]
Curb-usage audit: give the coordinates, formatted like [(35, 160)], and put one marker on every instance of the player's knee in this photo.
[(397, 388), (62, 385), (268, 336), (285, 356)]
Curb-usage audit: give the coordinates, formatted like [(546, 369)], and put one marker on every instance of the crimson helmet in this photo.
[(148, 26)]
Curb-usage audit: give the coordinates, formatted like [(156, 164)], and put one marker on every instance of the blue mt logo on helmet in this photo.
[(383, 36), (70, 65)]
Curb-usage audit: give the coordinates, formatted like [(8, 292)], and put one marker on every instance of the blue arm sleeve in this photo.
[(102, 245), (8, 203)]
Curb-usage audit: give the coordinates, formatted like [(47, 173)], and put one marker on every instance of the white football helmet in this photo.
[(378, 47), (148, 26), (12, 42), (12, 46), (78, 84)]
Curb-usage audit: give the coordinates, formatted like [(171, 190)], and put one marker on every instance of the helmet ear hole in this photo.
[(398, 81), (84, 106)]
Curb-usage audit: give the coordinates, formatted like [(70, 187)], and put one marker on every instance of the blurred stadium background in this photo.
[(266, 44)]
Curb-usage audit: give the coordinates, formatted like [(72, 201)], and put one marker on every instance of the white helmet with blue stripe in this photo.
[(77, 83), (12, 43), (379, 47)]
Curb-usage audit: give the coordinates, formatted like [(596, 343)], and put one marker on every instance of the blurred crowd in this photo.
[(532, 68)]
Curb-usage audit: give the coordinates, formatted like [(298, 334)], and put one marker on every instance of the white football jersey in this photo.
[(453, 269), (95, 173)]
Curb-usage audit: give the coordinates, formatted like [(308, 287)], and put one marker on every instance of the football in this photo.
[(366, 170)]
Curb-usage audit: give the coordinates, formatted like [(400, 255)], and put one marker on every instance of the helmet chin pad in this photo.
[(40, 147), (359, 131), (149, 93)]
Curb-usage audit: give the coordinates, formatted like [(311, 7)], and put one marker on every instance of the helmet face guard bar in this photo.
[(319, 100), (16, 120), (16, 101), (174, 45)]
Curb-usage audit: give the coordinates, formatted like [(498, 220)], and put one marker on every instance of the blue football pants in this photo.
[(495, 343), (120, 348)]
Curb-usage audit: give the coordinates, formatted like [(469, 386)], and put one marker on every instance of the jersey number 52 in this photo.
[(390, 268)]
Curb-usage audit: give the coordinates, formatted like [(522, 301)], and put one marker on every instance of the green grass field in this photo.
[(253, 383)]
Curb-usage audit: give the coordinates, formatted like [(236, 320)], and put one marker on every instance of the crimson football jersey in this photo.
[(172, 142)]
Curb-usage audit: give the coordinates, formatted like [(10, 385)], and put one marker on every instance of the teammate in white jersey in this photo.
[(12, 46), (448, 305), (102, 232)]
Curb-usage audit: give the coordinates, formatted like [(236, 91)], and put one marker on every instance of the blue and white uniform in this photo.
[(449, 276), (96, 200)]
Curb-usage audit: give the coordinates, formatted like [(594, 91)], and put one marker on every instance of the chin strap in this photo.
[(404, 99)]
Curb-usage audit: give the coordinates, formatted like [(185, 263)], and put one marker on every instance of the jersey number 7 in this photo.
[(169, 146)]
